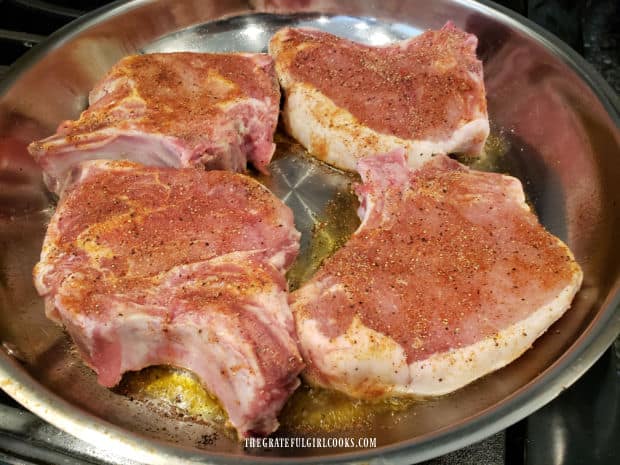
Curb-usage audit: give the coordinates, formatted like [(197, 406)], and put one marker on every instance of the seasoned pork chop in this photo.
[(449, 277), (172, 109), (148, 266), (346, 101)]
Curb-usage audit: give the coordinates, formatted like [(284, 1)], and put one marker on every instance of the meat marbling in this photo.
[(172, 109), (450, 276), (147, 266), (346, 101)]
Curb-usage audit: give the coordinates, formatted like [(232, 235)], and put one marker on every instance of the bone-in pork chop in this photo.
[(148, 266), (346, 101), (172, 109), (450, 276)]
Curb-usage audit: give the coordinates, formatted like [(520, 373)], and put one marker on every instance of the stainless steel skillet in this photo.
[(555, 126)]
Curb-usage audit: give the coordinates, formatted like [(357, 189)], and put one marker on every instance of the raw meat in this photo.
[(172, 109), (450, 276), (149, 266), (346, 101)]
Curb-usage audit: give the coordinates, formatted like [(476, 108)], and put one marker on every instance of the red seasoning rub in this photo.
[(161, 266), (426, 94), (449, 277), (172, 109)]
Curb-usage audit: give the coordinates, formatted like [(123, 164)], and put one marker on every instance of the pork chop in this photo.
[(148, 266), (172, 109), (346, 101), (450, 276)]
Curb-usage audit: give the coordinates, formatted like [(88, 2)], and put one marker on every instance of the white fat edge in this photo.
[(157, 143), (278, 260), (72, 165), (459, 141), (510, 187), (45, 265), (230, 346), (76, 172), (516, 191), (448, 371), (275, 315), (284, 77), (275, 47), (277, 300), (369, 200), (260, 106), (263, 110), (237, 258), (230, 352), (214, 79), (476, 77), (135, 320), (359, 361), (456, 368), (259, 58), (41, 271), (48, 266), (107, 86), (271, 308), (197, 350), (344, 148), (308, 292), (50, 255), (143, 330)]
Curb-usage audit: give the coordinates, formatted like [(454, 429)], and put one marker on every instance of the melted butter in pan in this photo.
[(331, 231), (309, 410), (316, 410), (168, 387)]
